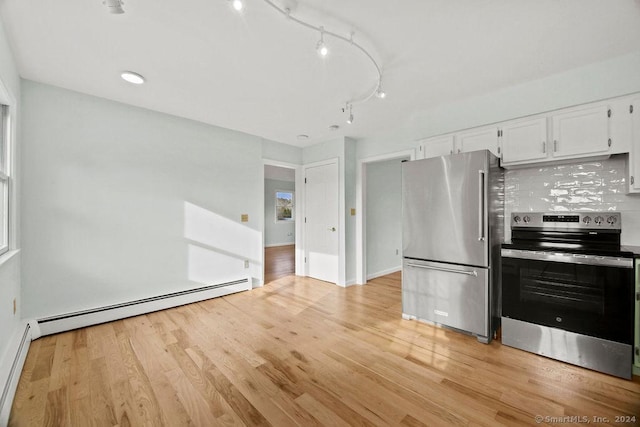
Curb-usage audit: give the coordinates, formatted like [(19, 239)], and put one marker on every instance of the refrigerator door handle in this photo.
[(481, 205), (448, 270)]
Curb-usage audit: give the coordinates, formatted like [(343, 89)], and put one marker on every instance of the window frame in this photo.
[(5, 178), (293, 207)]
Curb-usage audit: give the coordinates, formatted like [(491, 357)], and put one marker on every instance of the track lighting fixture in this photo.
[(321, 47), (238, 5), (323, 51), (114, 6), (350, 118)]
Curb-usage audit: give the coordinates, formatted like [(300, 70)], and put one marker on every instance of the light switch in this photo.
[(244, 217)]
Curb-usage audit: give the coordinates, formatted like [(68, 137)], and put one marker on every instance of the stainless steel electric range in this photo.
[(568, 289)]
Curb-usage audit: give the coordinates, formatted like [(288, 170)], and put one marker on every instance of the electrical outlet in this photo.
[(246, 263), (14, 306)]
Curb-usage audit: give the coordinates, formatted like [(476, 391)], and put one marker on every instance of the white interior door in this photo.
[(321, 222)]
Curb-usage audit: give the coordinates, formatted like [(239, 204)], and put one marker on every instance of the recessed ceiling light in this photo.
[(132, 77), (302, 137)]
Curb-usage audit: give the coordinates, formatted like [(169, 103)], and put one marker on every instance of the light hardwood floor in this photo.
[(300, 352)]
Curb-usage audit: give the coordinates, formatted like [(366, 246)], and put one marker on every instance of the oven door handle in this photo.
[(605, 261), (448, 270)]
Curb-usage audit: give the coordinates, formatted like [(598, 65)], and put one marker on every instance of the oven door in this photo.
[(585, 294)]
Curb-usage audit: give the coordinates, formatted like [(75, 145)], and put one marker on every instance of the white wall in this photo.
[(384, 217), (123, 203), (10, 262), (579, 186), (277, 233)]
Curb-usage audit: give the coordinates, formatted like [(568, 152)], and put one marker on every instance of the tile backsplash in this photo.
[(586, 185)]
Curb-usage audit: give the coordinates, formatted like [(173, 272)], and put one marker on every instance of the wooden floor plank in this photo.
[(300, 352)]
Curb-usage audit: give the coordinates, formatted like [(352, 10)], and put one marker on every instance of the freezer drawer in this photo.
[(448, 294)]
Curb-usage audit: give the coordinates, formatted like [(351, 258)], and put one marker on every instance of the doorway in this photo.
[(362, 270), (280, 205)]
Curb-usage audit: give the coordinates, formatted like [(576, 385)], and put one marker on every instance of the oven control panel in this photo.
[(573, 220)]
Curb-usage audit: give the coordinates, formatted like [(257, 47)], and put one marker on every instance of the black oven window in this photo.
[(570, 285)]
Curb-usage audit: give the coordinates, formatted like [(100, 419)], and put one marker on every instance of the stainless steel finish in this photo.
[(570, 258), (610, 357), (586, 220), (609, 142), (440, 209), (448, 270), (438, 293), (453, 222), (481, 205)]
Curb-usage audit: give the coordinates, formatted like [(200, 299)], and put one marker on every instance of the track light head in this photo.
[(238, 5), (322, 48), (114, 6), (350, 118)]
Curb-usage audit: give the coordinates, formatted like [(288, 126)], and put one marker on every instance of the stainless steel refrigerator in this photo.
[(452, 228)]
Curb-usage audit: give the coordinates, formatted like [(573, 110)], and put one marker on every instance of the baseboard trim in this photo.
[(11, 370), (384, 272), (80, 319)]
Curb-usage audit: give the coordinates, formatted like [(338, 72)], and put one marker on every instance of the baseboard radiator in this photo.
[(13, 375), (94, 316)]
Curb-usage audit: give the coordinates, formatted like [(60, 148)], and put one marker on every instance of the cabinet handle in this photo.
[(609, 142), (632, 180), (544, 146), (555, 145), (458, 151)]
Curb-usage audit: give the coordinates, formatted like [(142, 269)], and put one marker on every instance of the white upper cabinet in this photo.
[(596, 130), (581, 132), (435, 147), (634, 153), (524, 141), (478, 139)]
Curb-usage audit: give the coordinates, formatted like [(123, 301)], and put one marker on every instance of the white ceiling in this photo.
[(259, 73)]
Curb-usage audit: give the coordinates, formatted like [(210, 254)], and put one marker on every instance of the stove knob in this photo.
[(516, 218), (598, 220), (612, 220), (586, 219), (526, 218)]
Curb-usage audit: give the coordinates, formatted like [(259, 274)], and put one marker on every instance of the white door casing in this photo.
[(322, 221)]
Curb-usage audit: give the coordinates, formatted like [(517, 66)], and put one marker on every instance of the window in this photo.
[(284, 206), (4, 178)]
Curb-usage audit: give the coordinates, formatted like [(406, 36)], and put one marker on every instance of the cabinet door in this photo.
[(478, 139), (634, 154), (524, 141), (436, 147), (581, 132)]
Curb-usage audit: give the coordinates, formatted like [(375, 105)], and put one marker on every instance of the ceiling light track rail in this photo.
[(377, 91)]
